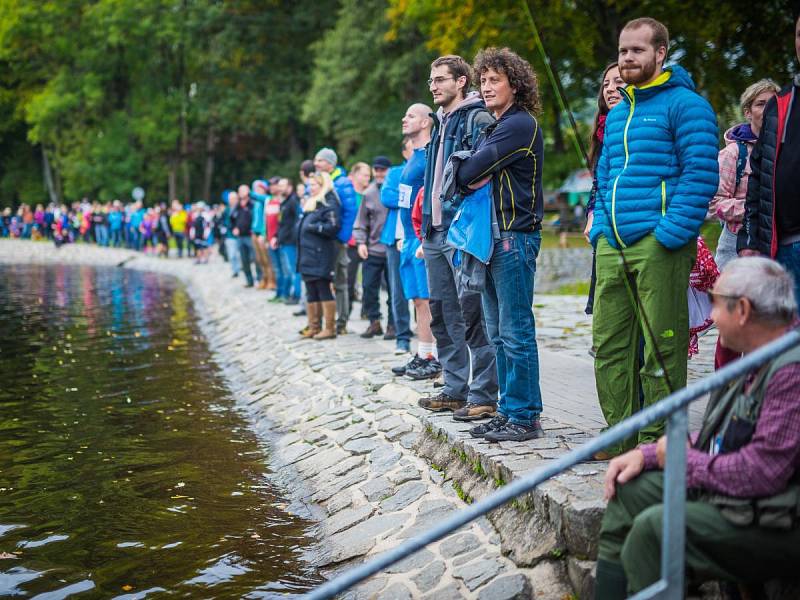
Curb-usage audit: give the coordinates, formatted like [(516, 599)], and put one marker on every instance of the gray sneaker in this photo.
[(496, 423)]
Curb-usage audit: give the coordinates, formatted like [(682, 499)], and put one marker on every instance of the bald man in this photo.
[(417, 124)]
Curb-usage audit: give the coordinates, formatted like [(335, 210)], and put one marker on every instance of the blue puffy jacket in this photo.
[(658, 168), (390, 198), (347, 197)]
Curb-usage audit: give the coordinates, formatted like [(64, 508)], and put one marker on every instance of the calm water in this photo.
[(125, 471)]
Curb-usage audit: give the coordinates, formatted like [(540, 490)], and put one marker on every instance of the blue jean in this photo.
[(116, 237), (508, 308), (789, 257), (283, 279), (402, 318), (288, 262), (232, 250), (101, 235)]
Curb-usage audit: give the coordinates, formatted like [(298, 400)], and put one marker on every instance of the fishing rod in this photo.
[(563, 102)]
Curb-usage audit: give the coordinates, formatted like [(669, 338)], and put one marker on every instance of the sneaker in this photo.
[(391, 333), (496, 423), (291, 301), (299, 313), (402, 347), (475, 412), (412, 364), (514, 432), (276, 300), (429, 369), (373, 330), (440, 403)]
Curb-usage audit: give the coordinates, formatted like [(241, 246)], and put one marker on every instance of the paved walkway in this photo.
[(373, 469)]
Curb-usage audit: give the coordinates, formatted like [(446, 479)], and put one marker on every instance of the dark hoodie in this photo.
[(455, 138)]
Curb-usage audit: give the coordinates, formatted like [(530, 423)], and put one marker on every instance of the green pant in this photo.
[(660, 279), (715, 549)]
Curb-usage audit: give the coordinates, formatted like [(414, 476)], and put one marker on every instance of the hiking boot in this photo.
[(329, 315), (373, 330), (514, 432), (412, 364), (429, 369), (496, 423), (474, 412), (440, 403), (390, 334)]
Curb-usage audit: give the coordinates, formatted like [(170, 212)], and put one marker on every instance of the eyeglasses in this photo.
[(438, 80)]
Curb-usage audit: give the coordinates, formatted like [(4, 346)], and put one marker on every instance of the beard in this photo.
[(639, 74)]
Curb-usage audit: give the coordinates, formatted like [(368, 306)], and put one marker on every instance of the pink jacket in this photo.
[(728, 203)]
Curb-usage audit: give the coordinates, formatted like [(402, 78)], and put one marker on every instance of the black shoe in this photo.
[(496, 423), (248, 285), (412, 364), (341, 330), (390, 334), (514, 432), (475, 412), (441, 403), (235, 275), (300, 313), (428, 369)]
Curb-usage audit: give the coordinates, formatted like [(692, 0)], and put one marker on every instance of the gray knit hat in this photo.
[(328, 155)]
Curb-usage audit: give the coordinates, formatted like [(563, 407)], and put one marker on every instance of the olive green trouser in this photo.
[(660, 279), (631, 530)]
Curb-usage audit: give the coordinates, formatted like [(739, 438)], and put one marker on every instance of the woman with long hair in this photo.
[(607, 98), (316, 254)]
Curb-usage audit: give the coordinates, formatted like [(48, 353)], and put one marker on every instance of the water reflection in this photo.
[(124, 471)]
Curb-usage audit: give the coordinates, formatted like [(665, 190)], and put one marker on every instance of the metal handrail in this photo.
[(673, 407)]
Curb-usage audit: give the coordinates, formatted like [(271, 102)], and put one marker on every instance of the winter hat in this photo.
[(328, 155), (260, 182)]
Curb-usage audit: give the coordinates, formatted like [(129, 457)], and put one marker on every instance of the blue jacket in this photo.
[(258, 201), (390, 198), (413, 176), (347, 197), (658, 168)]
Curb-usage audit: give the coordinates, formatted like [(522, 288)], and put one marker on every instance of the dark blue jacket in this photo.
[(456, 138), (390, 198), (316, 244), (511, 151)]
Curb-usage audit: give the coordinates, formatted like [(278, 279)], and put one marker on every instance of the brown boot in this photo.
[(373, 330), (329, 312), (314, 314)]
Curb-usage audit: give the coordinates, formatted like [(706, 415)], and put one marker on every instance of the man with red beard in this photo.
[(656, 174)]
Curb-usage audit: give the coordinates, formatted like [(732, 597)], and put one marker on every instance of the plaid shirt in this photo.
[(764, 466)]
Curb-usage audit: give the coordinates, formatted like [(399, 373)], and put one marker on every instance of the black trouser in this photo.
[(352, 274), (318, 290), (373, 273)]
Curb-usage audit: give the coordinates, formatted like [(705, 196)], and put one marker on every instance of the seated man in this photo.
[(747, 451)]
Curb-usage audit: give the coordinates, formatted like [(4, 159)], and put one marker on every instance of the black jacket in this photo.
[(511, 151), (316, 244), (287, 226), (759, 228), (242, 218)]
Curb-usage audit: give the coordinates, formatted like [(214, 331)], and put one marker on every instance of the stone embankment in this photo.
[(358, 456)]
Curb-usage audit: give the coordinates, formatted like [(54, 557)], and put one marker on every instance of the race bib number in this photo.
[(405, 196)]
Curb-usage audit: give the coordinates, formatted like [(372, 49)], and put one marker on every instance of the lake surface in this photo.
[(125, 469)]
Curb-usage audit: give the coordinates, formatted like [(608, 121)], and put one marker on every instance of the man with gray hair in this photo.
[(743, 466)]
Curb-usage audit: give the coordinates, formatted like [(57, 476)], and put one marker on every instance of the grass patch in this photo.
[(461, 493), (576, 288)]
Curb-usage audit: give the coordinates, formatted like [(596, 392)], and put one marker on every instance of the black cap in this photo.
[(381, 162)]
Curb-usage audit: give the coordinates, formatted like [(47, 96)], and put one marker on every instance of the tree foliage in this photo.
[(186, 97)]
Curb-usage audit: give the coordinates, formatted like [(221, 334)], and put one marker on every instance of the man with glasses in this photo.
[(457, 320), (743, 466)]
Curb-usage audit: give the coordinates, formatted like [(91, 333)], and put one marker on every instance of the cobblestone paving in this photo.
[(357, 454)]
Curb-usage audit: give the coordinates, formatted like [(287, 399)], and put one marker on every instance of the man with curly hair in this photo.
[(509, 155)]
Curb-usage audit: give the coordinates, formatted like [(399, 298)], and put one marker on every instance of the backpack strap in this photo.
[(741, 163)]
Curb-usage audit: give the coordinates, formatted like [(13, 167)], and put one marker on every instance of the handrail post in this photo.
[(673, 546)]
